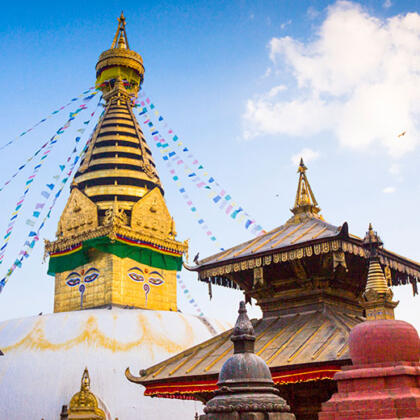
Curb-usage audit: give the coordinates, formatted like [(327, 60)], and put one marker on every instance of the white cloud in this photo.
[(387, 4), (388, 190), (306, 154), (394, 169), (312, 12), (354, 80), (276, 90), (284, 24), (267, 72)]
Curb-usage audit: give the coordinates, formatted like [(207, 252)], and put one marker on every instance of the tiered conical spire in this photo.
[(377, 295), (118, 165), (116, 225), (305, 202)]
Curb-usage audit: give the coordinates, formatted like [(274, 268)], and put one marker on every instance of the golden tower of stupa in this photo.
[(116, 238)]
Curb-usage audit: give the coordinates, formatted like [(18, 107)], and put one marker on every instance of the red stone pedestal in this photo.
[(378, 386)]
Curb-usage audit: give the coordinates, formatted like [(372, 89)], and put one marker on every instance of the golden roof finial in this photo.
[(377, 295), (120, 38), (84, 403), (305, 202), (119, 62), (85, 382)]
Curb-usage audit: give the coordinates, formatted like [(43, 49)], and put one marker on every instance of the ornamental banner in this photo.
[(123, 247)]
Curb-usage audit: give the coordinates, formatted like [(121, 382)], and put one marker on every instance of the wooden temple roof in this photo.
[(284, 342), (308, 277), (294, 241), (304, 235)]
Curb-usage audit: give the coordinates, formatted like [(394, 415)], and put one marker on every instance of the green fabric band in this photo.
[(143, 255)]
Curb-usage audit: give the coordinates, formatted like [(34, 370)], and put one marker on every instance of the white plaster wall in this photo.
[(44, 358)]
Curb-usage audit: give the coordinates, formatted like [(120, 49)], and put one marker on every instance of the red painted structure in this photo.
[(384, 381)]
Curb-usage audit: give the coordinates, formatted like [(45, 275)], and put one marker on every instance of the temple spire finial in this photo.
[(377, 295), (305, 202), (243, 336), (120, 38)]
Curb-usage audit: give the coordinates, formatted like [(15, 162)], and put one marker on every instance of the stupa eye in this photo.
[(73, 279), (155, 278), (136, 274), (91, 275)]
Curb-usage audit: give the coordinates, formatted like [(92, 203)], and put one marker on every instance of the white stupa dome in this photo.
[(44, 358)]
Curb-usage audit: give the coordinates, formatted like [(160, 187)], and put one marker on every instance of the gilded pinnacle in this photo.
[(120, 38), (377, 296), (119, 63), (376, 278), (305, 202)]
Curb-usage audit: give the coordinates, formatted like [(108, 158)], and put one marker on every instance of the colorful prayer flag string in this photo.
[(216, 193), (87, 98), (47, 117), (32, 177), (182, 190), (33, 236), (190, 299)]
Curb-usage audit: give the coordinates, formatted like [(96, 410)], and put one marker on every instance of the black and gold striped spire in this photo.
[(116, 225), (118, 165)]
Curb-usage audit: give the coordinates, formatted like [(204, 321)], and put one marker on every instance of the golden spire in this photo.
[(377, 297), (119, 63), (305, 202), (84, 404), (116, 199), (120, 38)]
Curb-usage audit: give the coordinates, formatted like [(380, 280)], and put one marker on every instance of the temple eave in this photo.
[(241, 258), (202, 387), (65, 243)]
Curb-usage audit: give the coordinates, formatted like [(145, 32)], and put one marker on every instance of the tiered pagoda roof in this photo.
[(308, 277), (302, 237)]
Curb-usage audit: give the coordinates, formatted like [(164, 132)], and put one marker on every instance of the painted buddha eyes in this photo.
[(156, 281), (74, 278), (91, 275), (136, 274), (153, 278)]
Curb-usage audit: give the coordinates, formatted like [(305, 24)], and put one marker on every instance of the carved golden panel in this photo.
[(79, 215), (150, 216)]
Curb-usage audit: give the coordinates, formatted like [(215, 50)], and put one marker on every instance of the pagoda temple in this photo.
[(115, 260), (308, 277)]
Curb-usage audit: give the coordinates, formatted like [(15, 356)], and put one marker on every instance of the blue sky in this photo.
[(249, 87)]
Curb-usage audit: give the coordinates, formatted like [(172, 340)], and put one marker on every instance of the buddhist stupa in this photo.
[(115, 260)]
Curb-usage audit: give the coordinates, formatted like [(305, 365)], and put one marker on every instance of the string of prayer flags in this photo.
[(50, 187), (88, 91), (199, 176), (182, 190), (60, 131), (190, 299), (31, 178), (33, 236)]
